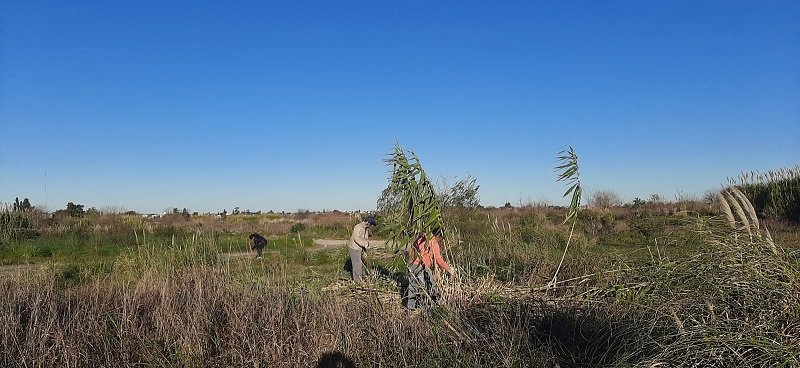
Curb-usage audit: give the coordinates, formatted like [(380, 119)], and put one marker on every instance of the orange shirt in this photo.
[(428, 252)]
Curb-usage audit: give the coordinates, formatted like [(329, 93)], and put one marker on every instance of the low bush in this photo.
[(298, 227)]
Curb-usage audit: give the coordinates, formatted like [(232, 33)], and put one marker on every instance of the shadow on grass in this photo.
[(575, 336), (335, 359)]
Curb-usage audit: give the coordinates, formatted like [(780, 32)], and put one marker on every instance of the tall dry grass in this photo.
[(737, 303), (18, 224), (732, 304), (184, 306), (210, 316), (774, 193)]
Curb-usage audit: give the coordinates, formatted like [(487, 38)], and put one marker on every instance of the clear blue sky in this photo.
[(148, 105)]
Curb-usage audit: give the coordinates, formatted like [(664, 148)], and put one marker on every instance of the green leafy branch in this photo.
[(568, 168), (412, 205)]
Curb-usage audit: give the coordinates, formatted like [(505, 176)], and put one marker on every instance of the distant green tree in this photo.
[(72, 210), (24, 206), (75, 210)]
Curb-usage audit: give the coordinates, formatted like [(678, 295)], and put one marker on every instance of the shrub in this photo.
[(596, 223), (774, 194), (42, 251), (605, 199), (298, 227), (18, 224), (69, 275)]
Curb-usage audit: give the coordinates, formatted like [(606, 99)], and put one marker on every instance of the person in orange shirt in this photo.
[(427, 253)]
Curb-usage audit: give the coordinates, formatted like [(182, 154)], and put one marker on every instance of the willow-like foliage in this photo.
[(415, 207)]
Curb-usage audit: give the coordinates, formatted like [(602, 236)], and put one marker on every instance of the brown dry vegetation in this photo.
[(661, 284), (203, 317)]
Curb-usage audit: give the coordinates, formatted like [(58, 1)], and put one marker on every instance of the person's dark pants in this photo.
[(421, 289), (258, 251)]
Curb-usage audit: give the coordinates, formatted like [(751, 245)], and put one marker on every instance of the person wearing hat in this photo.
[(358, 245)]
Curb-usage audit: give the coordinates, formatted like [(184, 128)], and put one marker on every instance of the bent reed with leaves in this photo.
[(569, 173)]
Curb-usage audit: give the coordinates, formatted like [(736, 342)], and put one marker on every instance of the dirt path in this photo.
[(319, 245), (322, 244), (16, 269)]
